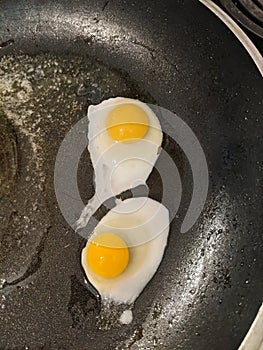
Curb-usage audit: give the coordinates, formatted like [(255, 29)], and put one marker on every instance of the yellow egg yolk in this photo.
[(108, 255), (127, 123)]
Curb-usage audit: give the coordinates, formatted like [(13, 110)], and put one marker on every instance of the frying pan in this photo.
[(176, 54)]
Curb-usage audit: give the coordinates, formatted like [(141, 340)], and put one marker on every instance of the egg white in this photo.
[(144, 225), (122, 165), (118, 166)]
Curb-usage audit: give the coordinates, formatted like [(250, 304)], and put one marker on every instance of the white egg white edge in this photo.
[(127, 290)]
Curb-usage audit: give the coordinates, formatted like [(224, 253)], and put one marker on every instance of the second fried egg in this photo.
[(126, 249)]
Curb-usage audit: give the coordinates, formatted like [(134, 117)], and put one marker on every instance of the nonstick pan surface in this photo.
[(178, 55)]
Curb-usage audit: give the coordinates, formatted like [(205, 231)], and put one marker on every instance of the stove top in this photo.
[(248, 14)]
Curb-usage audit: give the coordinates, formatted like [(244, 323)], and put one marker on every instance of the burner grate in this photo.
[(248, 12)]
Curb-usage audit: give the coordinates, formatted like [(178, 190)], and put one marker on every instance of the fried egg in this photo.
[(126, 248), (125, 137)]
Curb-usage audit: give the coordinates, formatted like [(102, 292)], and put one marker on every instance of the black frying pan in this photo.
[(176, 54)]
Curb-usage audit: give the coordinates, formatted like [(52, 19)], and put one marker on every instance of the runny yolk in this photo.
[(108, 255), (127, 123)]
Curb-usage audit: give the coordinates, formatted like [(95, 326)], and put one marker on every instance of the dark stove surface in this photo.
[(249, 15)]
